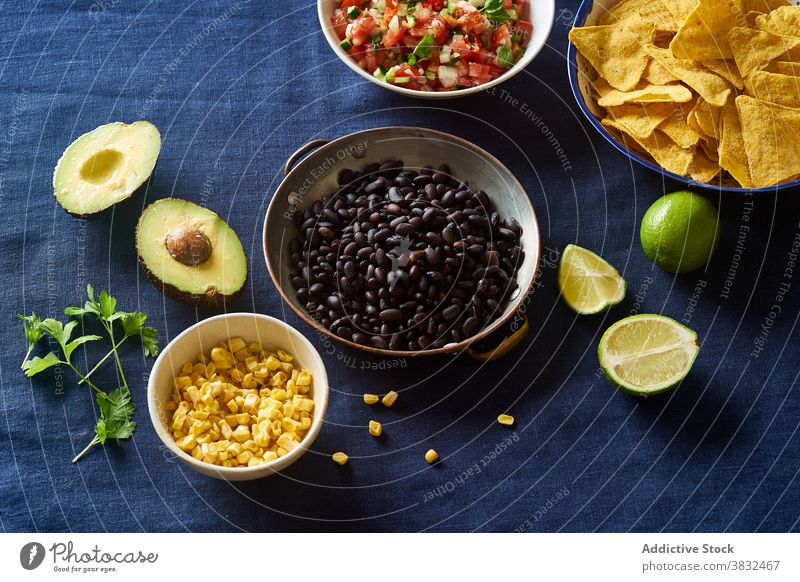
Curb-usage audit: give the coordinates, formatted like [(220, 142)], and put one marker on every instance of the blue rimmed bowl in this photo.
[(579, 80)]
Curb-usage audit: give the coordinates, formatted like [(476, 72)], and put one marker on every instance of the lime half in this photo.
[(647, 354), (588, 283)]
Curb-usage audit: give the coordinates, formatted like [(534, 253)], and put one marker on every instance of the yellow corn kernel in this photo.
[(375, 428), (182, 382), (505, 419), (220, 355), (287, 441), (193, 393), (289, 425), (255, 461), (303, 378), (305, 423), (251, 446), (200, 427), (242, 433), (236, 344), (431, 456), (306, 405), (243, 418), (232, 406), (187, 368), (251, 363), (288, 409), (234, 448), (251, 402), (236, 375), (287, 368), (225, 429), (243, 457), (270, 456), (273, 363), (232, 419), (210, 370), (187, 443), (203, 438), (171, 406), (389, 398), (339, 458), (281, 451), (197, 453), (285, 356), (371, 398), (278, 394), (249, 381)]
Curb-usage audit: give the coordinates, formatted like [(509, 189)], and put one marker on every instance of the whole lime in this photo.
[(680, 231)]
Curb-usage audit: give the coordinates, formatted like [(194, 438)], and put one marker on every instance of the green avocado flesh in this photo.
[(190, 253), (105, 166)]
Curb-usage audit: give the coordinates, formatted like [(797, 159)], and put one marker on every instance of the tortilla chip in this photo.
[(727, 70), (703, 36), (710, 147), (617, 50), (656, 74), (752, 49), (680, 9), (705, 119), (680, 132), (783, 68), (702, 168), (640, 120), (732, 156), (785, 20), (712, 88), (661, 148), (647, 94), (775, 88), (651, 10), (771, 140), (763, 6)]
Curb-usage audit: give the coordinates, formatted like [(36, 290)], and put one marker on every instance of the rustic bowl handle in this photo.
[(505, 346), (301, 151)]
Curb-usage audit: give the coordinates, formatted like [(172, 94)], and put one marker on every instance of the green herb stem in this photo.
[(100, 363), (94, 441)]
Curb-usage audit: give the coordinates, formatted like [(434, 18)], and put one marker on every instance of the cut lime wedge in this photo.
[(588, 283), (647, 354)]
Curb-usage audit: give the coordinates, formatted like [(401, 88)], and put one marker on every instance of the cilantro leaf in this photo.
[(505, 56), (70, 347), (423, 49), (33, 331), (493, 10), (133, 324), (37, 364), (115, 420)]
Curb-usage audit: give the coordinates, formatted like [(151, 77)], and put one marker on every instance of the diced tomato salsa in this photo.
[(433, 45)]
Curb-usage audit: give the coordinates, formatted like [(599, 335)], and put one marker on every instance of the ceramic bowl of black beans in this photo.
[(401, 240)]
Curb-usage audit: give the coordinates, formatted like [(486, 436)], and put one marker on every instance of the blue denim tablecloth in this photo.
[(234, 88)]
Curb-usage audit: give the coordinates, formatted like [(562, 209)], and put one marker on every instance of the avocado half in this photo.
[(190, 253), (105, 166)]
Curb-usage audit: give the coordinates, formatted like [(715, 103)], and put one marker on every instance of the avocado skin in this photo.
[(218, 301)]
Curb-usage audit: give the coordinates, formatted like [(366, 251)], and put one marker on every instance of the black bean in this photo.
[(391, 315)]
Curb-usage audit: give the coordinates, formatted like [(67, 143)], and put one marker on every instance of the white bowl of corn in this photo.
[(238, 396)]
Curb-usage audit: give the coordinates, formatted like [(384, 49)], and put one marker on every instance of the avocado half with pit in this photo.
[(105, 166), (190, 253)]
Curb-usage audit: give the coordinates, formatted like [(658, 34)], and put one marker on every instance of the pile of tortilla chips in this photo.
[(710, 89)]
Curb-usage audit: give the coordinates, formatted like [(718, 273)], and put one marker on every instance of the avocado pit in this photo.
[(188, 245)]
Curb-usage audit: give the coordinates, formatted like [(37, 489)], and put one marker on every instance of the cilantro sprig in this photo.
[(493, 10), (116, 409), (423, 49)]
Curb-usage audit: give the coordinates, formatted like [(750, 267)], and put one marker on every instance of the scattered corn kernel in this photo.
[(241, 406), (389, 399), (375, 428), (371, 398), (505, 419), (431, 456), (340, 458)]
